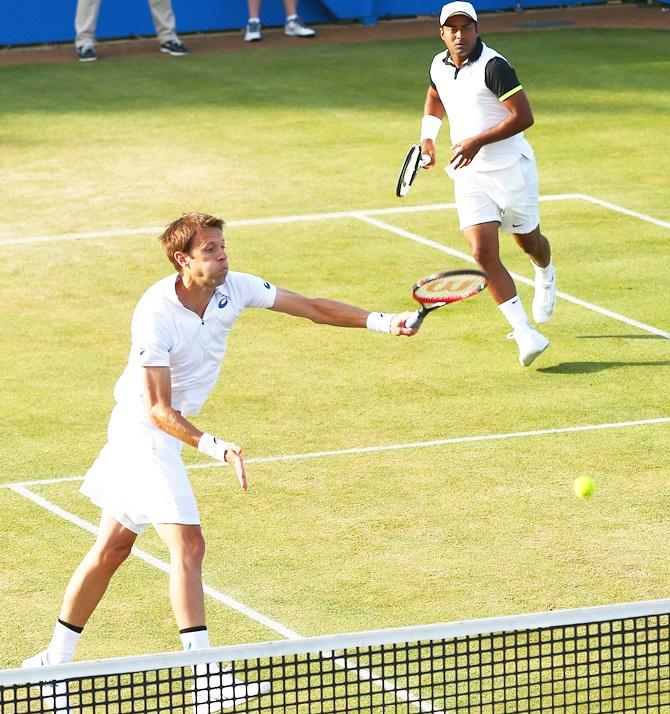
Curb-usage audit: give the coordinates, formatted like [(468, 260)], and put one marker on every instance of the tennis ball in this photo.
[(584, 487)]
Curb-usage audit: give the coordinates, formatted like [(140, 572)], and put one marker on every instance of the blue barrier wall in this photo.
[(25, 22)]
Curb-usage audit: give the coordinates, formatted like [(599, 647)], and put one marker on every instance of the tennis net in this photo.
[(591, 660)]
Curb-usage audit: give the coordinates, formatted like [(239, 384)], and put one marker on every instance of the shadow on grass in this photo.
[(593, 367)]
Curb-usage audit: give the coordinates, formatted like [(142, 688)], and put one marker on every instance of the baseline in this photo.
[(308, 217), (366, 216)]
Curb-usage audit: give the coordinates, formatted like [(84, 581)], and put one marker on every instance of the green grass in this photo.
[(355, 541)]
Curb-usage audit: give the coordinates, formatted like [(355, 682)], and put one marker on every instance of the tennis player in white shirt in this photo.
[(179, 332)]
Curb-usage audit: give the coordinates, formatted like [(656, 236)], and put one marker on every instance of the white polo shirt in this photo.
[(167, 334), (472, 96)]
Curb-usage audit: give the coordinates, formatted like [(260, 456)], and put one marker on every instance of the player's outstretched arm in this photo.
[(340, 314), (158, 400)]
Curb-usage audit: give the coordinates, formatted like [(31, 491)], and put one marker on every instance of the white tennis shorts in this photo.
[(139, 477), (509, 196)]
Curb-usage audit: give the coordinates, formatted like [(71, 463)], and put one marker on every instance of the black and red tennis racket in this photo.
[(444, 288)]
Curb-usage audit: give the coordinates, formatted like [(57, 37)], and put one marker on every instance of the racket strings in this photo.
[(445, 290)]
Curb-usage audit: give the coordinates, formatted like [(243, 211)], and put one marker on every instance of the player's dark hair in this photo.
[(179, 235)]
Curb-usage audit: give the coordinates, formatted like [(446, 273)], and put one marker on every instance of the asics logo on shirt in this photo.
[(267, 285), (141, 351), (223, 301)]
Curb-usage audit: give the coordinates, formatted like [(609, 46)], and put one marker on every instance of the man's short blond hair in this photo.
[(179, 235)]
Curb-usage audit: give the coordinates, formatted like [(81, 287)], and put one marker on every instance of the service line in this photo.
[(389, 447)]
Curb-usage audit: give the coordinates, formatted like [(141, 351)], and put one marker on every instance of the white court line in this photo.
[(518, 278), (385, 684), (386, 447), (308, 217), (445, 442), (621, 209), (362, 673), (365, 215), (270, 220), (157, 563)]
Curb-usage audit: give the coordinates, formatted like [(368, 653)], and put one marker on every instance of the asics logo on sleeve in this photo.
[(267, 285), (141, 351)]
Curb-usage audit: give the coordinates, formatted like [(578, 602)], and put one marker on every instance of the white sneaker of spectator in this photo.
[(294, 27), (253, 31)]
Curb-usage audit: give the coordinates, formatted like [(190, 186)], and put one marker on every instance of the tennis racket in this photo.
[(413, 161), (444, 288)]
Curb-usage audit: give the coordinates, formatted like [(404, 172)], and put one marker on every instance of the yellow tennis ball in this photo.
[(584, 487)]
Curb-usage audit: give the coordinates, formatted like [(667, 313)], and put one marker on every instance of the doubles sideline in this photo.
[(384, 683)]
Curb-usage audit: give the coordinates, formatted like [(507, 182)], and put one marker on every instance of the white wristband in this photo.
[(213, 447), (430, 127), (379, 321)]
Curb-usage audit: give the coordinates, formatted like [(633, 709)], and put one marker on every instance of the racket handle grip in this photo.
[(415, 320)]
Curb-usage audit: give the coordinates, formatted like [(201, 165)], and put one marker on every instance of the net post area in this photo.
[(592, 660)]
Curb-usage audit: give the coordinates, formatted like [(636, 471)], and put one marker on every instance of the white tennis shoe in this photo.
[(217, 691), (531, 344), (54, 696), (252, 32), (295, 27), (544, 300)]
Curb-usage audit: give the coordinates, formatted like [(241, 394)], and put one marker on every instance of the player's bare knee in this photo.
[(193, 551), (486, 256), (528, 246), (531, 242), (111, 555)]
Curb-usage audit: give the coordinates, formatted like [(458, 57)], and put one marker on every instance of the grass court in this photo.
[(393, 482)]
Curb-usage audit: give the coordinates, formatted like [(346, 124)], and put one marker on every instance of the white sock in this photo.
[(63, 644), (254, 19), (198, 639), (291, 17), (194, 639), (514, 313), (545, 274)]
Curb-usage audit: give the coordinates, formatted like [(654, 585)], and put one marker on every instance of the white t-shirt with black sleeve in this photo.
[(473, 97)]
